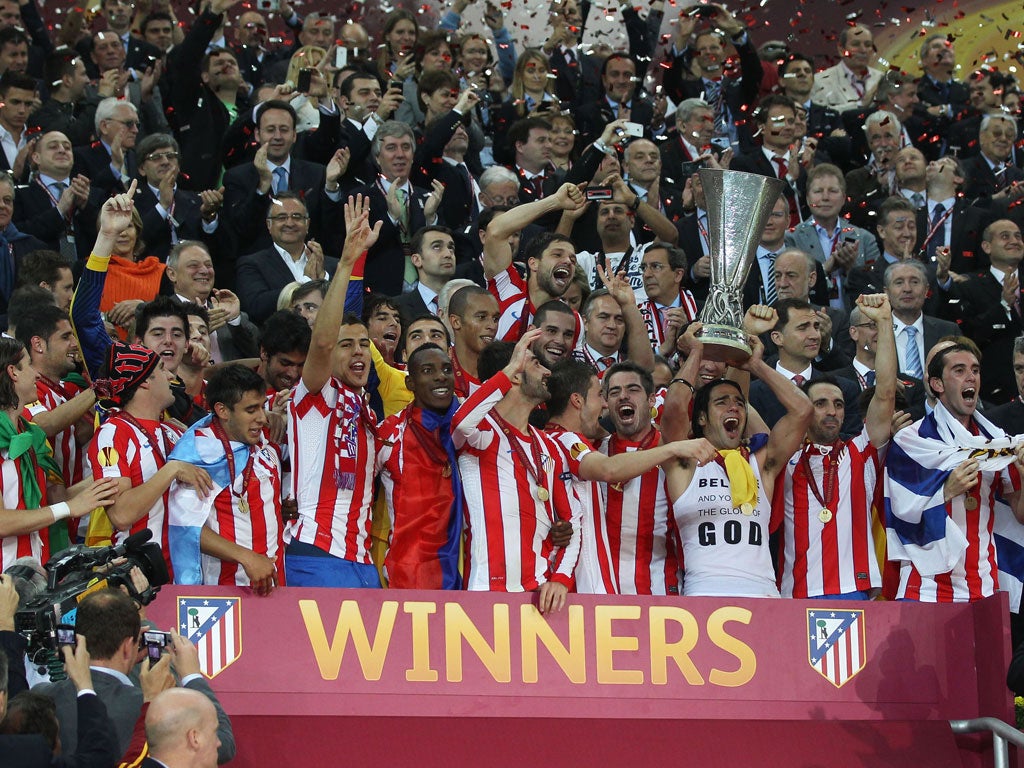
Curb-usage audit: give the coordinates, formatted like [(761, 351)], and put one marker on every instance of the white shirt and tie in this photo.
[(910, 346)]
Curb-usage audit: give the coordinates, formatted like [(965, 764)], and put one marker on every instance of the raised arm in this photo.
[(497, 251), (637, 341), (317, 368), (875, 307)]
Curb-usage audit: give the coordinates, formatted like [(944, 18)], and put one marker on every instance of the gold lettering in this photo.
[(743, 652), (662, 650), (534, 628), (459, 627), (607, 643), (350, 621), (421, 671)]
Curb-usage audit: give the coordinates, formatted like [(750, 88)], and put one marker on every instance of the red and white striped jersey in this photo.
[(36, 543), (976, 574), (837, 556), (594, 572), (121, 449), (640, 529), (259, 528), (655, 322), (332, 444), (725, 551), (512, 293), (508, 546), (66, 451)]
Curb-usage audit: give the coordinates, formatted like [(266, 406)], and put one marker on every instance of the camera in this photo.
[(154, 642), (690, 167), (270, 6), (66, 635), (79, 571), (598, 193), (703, 11)]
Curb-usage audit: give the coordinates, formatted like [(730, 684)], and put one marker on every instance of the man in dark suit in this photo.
[(864, 333), (642, 170), (118, 16), (992, 309), (171, 214), (577, 74), (262, 275), (949, 220), (619, 100), (797, 336), (731, 98), (67, 109), (181, 731), (109, 621), (776, 120), (17, 98), (868, 186), (691, 138), (433, 255), (530, 140), (249, 188), (937, 87), (191, 273), (205, 83), (137, 86), (110, 162), (990, 174), (363, 101), (57, 208), (1010, 416)]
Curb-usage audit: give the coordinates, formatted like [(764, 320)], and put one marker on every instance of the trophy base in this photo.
[(725, 344)]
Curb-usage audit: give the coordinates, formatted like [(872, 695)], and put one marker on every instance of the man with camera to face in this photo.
[(109, 622)]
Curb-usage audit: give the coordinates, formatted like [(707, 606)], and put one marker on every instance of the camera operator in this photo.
[(109, 621), (29, 727)]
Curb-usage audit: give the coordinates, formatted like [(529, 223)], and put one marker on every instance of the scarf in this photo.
[(441, 423)]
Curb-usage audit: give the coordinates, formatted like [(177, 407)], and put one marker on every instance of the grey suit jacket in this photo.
[(124, 703), (833, 89), (805, 237)]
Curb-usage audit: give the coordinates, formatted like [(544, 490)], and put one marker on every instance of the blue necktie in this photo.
[(913, 361), (280, 180), (937, 231)]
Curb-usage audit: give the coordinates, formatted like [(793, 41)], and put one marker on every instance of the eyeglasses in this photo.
[(872, 325), (654, 267), (128, 123), (158, 156), (286, 216)]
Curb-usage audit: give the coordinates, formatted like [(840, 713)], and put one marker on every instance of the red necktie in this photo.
[(780, 161)]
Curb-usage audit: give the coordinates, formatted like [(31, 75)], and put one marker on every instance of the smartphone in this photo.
[(721, 144), (66, 635), (397, 85), (850, 238), (703, 11), (155, 643), (268, 5), (305, 80), (598, 193), (635, 130), (690, 167), (341, 57)]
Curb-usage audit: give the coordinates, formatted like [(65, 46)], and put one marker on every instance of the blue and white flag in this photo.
[(921, 457)]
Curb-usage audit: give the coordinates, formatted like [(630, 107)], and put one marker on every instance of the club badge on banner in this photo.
[(214, 626), (836, 646)]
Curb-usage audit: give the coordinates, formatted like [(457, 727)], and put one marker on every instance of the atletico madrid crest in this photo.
[(214, 625), (835, 644)]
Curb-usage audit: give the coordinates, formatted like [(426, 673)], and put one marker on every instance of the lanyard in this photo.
[(159, 449), (243, 503), (462, 379), (53, 199), (534, 467), (941, 223)]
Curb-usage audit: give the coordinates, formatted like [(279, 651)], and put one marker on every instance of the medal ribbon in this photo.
[(157, 442), (218, 431), (534, 467), (830, 473)]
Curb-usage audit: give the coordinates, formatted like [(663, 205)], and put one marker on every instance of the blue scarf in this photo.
[(449, 553)]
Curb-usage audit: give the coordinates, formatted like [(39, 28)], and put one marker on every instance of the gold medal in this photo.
[(970, 503), (747, 508), (243, 505), (825, 515), (447, 471), (542, 494)]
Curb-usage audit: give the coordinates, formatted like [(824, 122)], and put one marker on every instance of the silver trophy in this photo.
[(738, 206)]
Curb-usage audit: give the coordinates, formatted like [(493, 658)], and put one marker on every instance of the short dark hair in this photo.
[(283, 332), (349, 83), (938, 361), (775, 100), (628, 366), (416, 244), (228, 384), (42, 266), (106, 619), (11, 352), (892, 205), (58, 64), (553, 305), (11, 79), (422, 349), (214, 52), (373, 302), (161, 306), (568, 377), (520, 130), (155, 16), (458, 301), (39, 321), (702, 401), (195, 310), (785, 307), (31, 712), (435, 80), (153, 142), (419, 319), (535, 248), (793, 58), (493, 358), (9, 35), (25, 298), (312, 286), (675, 255), (284, 106)]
